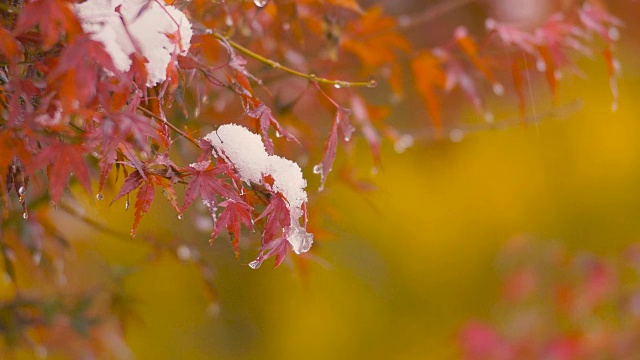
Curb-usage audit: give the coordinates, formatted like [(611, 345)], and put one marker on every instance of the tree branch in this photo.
[(170, 125), (277, 65)]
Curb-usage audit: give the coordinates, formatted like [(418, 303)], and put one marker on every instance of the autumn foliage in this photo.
[(301, 74)]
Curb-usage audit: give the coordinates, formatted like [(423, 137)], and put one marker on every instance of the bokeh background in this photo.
[(398, 271)]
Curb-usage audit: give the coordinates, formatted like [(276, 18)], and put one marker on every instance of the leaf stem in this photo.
[(170, 125), (277, 65)]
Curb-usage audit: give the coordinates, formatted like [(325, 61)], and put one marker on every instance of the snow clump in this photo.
[(146, 25), (245, 151)]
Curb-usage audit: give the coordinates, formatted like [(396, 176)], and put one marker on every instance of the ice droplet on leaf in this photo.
[(25, 215), (99, 196), (317, 169), (255, 264)]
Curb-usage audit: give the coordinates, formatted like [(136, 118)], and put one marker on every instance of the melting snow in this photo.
[(245, 150)]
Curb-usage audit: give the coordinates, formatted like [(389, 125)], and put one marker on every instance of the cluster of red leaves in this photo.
[(548, 49), (559, 305)]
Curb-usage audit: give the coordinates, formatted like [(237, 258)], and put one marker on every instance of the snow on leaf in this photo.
[(245, 151), (156, 31)]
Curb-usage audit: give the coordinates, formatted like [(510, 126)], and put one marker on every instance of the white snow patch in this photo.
[(146, 29), (245, 150)]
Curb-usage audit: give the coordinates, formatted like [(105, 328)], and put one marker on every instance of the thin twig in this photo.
[(277, 65), (170, 125)]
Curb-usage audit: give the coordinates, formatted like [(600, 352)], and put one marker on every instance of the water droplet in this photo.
[(180, 216), (541, 65), (404, 21), (255, 264), (275, 65), (557, 74), (404, 142), (208, 31), (278, 134), (498, 89), (126, 205), (25, 215), (22, 191), (317, 169), (260, 3), (228, 20), (337, 86), (37, 257), (489, 117), (372, 84), (456, 135), (183, 252), (6, 278), (213, 309), (99, 196), (614, 33), (40, 352)]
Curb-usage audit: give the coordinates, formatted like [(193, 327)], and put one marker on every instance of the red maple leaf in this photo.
[(68, 159), (263, 115), (341, 121), (78, 71), (53, 19), (234, 214), (208, 183)]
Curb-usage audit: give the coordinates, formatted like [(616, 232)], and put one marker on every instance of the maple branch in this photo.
[(276, 65), (170, 125)]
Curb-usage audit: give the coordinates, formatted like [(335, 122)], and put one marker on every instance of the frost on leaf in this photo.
[(157, 31), (245, 151)]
